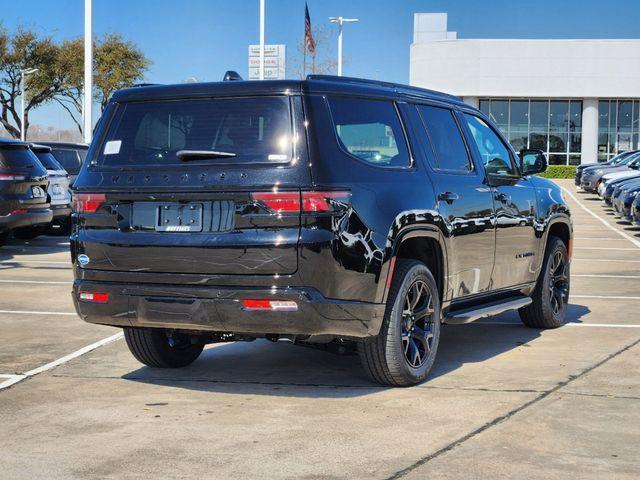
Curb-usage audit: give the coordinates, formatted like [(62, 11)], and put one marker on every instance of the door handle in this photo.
[(448, 197), (503, 197)]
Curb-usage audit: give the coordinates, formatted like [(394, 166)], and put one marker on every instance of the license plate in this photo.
[(179, 218), (37, 192)]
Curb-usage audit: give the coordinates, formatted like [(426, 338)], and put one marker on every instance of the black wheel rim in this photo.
[(417, 324), (559, 282)]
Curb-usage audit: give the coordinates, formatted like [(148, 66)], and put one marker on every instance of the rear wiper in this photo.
[(193, 155)]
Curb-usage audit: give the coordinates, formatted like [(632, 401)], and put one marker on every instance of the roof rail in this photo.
[(400, 88)]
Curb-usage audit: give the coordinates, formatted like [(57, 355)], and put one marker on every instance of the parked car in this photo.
[(236, 210), (609, 181), (592, 176), (635, 210), (70, 155), (24, 204), (58, 191), (612, 161), (624, 198)]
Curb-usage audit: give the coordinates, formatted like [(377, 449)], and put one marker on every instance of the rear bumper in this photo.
[(61, 211), (32, 218), (219, 309)]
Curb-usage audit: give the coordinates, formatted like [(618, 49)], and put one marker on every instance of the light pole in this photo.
[(87, 100), (340, 21), (261, 40), (23, 95)]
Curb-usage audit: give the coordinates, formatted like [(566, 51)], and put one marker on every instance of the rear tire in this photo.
[(4, 237), (26, 233), (156, 348), (551, 295), (405, 350)]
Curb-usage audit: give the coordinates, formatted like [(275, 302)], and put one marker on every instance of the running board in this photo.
[(494, 308)]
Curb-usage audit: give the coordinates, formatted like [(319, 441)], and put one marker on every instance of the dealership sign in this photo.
[(274, 62)]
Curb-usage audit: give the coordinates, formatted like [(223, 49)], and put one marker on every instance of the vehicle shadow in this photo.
[(265, 368), (14, 249)]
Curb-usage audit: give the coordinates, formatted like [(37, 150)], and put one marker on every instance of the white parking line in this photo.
[(573, 259), (605, 248), (61, 360), (604, 297), (596, 275), (45, 262), (598, 238), (30, 312), (569, 324), (70, 282), (11, 380), (607, 224)]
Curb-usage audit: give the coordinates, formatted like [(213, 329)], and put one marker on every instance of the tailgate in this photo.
[(179, 186), (205, 233)]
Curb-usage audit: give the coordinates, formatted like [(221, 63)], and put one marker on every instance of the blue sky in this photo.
[(204, 38)]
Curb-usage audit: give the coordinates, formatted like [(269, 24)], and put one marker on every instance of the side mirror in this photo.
[(533, 161)]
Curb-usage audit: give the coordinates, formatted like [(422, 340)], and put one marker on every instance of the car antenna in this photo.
[(231, 76)]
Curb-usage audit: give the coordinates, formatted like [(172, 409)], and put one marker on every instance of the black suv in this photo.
[(24, 203), (332, 211)]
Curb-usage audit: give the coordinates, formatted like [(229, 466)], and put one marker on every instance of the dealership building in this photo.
[(578, 100)]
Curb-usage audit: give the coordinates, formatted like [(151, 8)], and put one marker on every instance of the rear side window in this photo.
[(446, 139), (245, 130), (370, 130), (68, 159), (17, 157), (48, 161)]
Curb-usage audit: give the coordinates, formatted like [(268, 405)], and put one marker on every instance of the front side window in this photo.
[(370, 130), (446, 139), (230, 130), (495, 155)]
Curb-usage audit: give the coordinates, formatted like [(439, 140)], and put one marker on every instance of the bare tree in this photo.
[(20, 51), (322, 61)]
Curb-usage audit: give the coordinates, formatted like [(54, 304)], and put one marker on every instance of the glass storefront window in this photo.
[(575, 117), (559, 116), (539, 116), (499, 114)]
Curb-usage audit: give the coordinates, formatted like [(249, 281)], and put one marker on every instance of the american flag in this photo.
[(309, 42)]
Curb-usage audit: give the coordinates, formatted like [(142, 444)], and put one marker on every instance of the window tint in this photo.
[(255, 129), (48, 161), (494, 153), (451, 153), (68, 159), (17, 157), (370, 130)]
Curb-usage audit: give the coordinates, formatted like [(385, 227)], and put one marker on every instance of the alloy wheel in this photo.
[(559, 282), (417, 324)]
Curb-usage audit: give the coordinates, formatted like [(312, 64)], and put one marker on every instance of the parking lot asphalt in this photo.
[(503, 401)]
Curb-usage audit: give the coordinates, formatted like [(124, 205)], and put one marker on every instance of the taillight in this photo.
[(94, 297), (275, 305), (12, 177), (311, 201), (87, 202)]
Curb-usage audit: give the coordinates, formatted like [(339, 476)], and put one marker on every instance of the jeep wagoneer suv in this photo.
[(325, 211)]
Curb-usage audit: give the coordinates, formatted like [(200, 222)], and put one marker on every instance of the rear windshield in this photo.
[(243, 130), (17, 157), (48, 161), (68, 159)]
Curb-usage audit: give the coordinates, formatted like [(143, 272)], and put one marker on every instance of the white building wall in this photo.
[(585, 70), (528, 68)]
